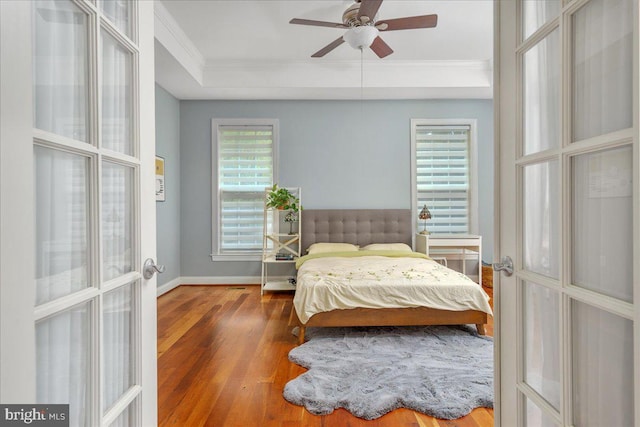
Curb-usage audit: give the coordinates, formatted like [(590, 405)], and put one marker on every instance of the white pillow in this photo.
[(318, 248), (388, 247)]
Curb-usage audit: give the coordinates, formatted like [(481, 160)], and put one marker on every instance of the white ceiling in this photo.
[(246, 49)]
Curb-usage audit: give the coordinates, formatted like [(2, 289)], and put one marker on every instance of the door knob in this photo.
[(150, 268), (506, 265)]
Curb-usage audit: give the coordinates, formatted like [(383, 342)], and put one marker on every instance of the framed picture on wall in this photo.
[(160, 194)]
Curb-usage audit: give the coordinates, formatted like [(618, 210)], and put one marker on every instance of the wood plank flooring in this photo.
[(222, 361)]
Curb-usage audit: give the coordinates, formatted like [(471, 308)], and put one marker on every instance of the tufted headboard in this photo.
[(357, 226)]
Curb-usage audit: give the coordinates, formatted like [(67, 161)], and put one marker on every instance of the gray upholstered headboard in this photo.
[(357, 226)]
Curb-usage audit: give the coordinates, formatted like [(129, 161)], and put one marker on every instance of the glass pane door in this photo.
[(575, 218), (87, 180), (540, 351), (600, 292)]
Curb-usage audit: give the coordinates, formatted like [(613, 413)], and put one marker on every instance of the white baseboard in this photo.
[(220, 280), (169, 286)]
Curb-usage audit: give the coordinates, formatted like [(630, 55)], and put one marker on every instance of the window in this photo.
[(245, 154), (444, 174)]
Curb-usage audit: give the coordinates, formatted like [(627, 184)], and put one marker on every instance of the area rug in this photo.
[(441, 371)]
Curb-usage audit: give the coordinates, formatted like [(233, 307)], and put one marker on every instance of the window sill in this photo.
[(236, 257)]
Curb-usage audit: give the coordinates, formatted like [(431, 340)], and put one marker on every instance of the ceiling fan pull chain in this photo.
[(361, 75)]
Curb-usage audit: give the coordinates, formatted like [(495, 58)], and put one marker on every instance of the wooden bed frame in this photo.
[(362, 227), (412, 316)]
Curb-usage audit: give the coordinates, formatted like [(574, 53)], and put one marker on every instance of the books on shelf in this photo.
[(284, 257)]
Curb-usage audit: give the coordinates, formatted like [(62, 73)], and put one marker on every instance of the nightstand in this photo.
[(453, 247)]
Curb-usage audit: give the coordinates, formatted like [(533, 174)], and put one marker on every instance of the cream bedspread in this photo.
[(369, 280)]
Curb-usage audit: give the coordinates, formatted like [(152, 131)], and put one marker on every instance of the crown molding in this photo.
[(330, 94), (382, 63), (347, 74), (169, 33)]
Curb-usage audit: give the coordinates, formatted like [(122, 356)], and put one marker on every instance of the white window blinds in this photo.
[(245, 169), (442, 159)]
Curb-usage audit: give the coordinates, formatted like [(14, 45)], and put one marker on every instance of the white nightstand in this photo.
[(453, 246)]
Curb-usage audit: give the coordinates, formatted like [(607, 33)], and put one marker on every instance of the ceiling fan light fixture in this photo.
[(361, 37), (360, 21)]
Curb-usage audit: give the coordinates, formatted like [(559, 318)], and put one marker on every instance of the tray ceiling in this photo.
[(248, 50)]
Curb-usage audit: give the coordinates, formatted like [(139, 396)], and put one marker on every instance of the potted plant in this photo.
[(282, 199)]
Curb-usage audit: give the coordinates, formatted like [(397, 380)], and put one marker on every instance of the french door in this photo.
[(567, 103), (78, 209)]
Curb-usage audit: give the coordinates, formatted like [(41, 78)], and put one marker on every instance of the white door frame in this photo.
[(17, 265), (149, 294), (504, 152)]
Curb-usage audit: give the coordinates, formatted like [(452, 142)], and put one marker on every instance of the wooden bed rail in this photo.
[(412, 316)]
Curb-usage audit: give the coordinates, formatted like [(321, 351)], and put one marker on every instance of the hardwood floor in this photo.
[(222, 361)]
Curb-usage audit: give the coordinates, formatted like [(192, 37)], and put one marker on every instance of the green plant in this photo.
[(281, 198)]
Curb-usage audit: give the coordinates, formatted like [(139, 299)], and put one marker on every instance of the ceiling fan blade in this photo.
[(409, 23), (317, 23), (328, 48), (369, 8), (381, 48)]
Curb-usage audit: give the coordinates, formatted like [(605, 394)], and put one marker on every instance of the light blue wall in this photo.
[(168, 212), (343, 154)]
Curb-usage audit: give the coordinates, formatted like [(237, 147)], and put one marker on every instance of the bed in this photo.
[(335, 288)]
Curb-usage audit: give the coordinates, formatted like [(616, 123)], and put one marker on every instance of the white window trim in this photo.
[(216, 255), (473, 167)]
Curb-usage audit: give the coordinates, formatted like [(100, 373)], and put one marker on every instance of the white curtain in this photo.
[(62, 224), (541, 219), (602, 368), (117, 204), (62, 361), (602, 218), (542, 132), (536, 13), (117, 343), (118, 11), (60, 68), (603, 46), (116, 96), (542, 329)]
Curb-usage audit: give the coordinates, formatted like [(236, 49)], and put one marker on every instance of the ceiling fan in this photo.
[(363, 29)]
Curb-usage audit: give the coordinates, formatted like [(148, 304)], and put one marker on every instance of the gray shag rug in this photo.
[(441, 371)]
